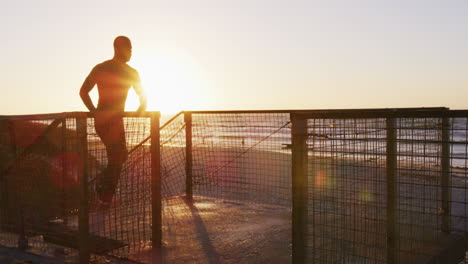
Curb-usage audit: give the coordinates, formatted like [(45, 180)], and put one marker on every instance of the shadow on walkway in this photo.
[(202, 233)]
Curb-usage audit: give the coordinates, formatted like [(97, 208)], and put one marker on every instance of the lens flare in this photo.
[(366, 196)]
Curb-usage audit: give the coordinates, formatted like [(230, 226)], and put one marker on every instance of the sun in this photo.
[(170, 84)]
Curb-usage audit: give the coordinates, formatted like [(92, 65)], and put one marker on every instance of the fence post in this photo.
[(3, 188), (64, 168), (83, 220), (299, 188), (22, 239), (445, 179), (156, 206), (392, 232), (188, 155)]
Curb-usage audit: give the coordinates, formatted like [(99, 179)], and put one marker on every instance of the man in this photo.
[(113, 79)]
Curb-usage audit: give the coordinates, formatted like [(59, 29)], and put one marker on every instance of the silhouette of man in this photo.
[(113, 79)]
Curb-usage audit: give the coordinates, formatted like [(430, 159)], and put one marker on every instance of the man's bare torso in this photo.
[(113, 80)]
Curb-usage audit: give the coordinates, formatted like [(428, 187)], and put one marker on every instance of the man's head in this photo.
[(122, 48)]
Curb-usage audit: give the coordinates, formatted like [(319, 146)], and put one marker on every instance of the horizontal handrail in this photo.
[(384, 114), (302, 111), (74, 115), (34, 116)]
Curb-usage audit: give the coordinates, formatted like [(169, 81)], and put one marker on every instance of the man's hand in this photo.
[(141, 109), (92, 113)]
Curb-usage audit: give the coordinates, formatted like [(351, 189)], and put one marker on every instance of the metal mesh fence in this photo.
[(419, 183), (347, 192), (42, 163), (238, 210), (242, 156), (173, 157), (381, 188), (123, 229), (39, 185), (350, 209)]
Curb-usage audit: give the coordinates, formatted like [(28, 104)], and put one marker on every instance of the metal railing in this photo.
[(48, 166), (322, 186)]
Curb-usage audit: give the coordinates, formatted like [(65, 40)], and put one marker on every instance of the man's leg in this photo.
[(108, 180), (112, 132)]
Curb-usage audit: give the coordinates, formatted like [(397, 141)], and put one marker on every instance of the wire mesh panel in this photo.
[(40, 168), (173, 157), (123, 228), (243, 156), (455, 209), (362, 208), (347, 217), (239, 208), (242, 185), (425, 186), (42, 164), (419, 184), (458, 182)]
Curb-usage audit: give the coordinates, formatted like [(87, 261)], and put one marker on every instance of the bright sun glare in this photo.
[(170, 84)]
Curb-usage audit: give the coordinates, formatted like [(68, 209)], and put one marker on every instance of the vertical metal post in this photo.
[(445, 179), (156, 206), (392, 231), (64, 169), (22, 239), (188, 156), (83, 220), (3, 188), (299, 188)]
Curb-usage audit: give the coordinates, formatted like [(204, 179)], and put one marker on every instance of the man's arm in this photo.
[(87, 86), (139, 91)]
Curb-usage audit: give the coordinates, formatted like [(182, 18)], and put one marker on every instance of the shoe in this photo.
[(101, 198)]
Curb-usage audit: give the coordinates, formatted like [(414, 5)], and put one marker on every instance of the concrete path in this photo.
[(16, 256)]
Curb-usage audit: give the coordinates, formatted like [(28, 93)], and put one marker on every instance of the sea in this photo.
[(417, 139)]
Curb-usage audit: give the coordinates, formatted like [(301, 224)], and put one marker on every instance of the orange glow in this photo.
[(65, 178), (322, 180), (171, 84)]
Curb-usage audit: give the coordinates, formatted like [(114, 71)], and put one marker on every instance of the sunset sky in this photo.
[(240, 54)]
